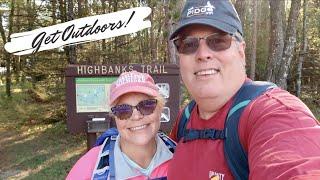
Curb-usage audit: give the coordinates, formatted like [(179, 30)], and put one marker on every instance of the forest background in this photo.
[(283, 46)]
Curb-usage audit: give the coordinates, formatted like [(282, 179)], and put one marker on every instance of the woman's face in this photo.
[(138, 129)]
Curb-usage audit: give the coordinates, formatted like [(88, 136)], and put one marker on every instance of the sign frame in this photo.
[(161, 73)]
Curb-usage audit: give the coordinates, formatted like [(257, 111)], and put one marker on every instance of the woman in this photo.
[(139, 151)]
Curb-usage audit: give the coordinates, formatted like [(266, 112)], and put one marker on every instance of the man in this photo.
[(277, 131)]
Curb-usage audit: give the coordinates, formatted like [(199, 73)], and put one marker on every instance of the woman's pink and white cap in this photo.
[(132, 81)]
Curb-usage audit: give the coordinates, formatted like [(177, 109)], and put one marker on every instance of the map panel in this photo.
[(92, 94)]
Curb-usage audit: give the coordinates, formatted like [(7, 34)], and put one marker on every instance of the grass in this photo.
[(32, 148)]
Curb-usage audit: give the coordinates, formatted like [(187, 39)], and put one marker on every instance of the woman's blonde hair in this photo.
[(161, 101)]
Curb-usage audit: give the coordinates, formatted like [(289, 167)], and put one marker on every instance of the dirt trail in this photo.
[(7, 156)]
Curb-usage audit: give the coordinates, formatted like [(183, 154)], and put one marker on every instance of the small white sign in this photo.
[(98, 119), (164, 89), (165, 115)]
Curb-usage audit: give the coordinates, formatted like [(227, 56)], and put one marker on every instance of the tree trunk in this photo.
[(254, 42), (157, 43), (276, 40), (140, 50), (80, 11), (7, 55), (152, 37), (304, 47), (172, 52), (31, 14), (240, 6), (86, 7), (289, 44), (166, 25), (17, 60), (54, 9), (5, 39), (116, 39), (62, 9), (71, 52), (103, 42), (2, 31), (104, 10)]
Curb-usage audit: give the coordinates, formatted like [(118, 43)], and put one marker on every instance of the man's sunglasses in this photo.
[(124, 111), (215, 41)]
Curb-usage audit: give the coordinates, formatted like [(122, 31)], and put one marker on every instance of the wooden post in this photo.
[(91, 140), (95, 127)]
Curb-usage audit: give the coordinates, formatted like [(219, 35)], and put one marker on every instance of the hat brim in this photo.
[(134, 89), (204, 21)]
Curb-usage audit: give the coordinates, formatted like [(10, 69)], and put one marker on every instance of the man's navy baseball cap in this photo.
[(219, 14)]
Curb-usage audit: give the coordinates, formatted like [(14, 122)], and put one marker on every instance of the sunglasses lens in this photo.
[(189, 45), (147, 107), (216, 42), (219, 42), (123, 111)]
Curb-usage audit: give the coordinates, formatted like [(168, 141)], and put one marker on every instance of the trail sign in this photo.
[(87, 93)]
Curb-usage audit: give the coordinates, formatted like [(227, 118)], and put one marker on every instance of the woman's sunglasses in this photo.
[(124, 111), (215, 41)]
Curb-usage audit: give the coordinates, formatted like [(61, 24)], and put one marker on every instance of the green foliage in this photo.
[(313, 102), (186, 97)]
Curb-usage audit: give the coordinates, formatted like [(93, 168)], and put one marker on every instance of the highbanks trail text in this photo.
[(118, 69)]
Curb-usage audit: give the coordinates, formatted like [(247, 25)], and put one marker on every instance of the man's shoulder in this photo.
[(279, 99), (275, 109)]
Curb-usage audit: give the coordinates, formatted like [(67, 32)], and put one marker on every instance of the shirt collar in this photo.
[(125, 169)]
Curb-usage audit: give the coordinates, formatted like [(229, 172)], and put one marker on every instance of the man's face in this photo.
[(212, 74)]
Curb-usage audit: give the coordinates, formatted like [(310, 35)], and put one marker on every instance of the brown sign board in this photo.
[(87, 89)]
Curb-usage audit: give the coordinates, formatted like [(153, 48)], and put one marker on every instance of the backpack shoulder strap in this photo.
[(109, 132), (234, 153), (182, 126), (171, 144), (104, 167)]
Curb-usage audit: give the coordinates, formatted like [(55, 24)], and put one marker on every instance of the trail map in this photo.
[(92, 94)]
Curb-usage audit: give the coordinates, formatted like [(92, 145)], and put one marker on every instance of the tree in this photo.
[(62, 10), (254, 41), (289, 44), (171, 51), (54, 10), (176, 8), (152, 34), (5, 39), (240, 6), (304, 47), (71, 50), (276, 41)]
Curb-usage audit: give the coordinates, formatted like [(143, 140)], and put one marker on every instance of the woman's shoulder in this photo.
[(85, 165)]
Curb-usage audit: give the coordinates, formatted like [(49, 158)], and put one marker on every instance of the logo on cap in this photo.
[(130, 78), (201, 10)]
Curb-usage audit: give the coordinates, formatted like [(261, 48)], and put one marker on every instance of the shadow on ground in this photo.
[(39, 152)]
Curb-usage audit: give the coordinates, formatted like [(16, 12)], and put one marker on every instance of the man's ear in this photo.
[(241, 50)]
